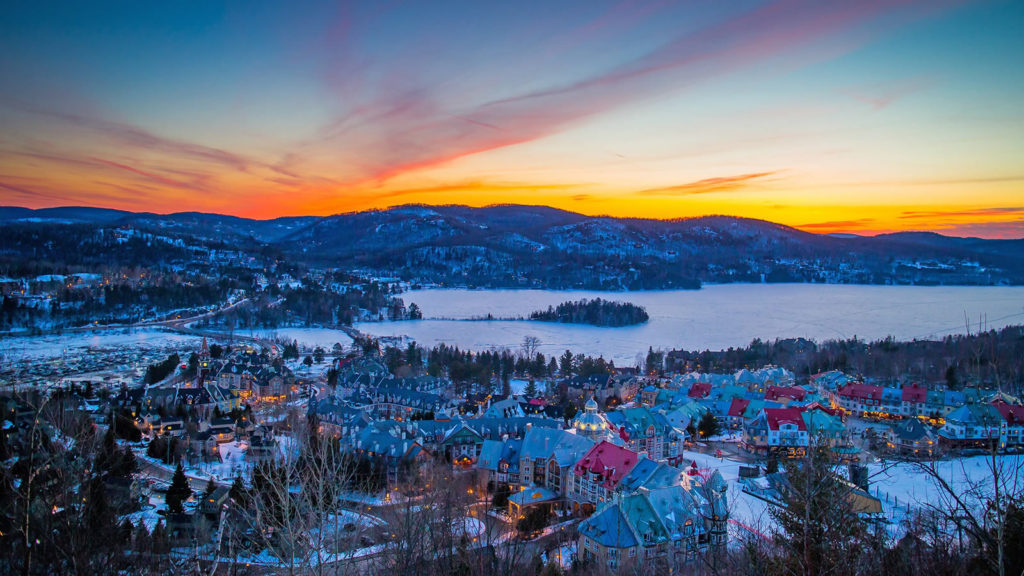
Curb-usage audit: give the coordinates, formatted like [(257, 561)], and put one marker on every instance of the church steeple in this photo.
[(204, 361)]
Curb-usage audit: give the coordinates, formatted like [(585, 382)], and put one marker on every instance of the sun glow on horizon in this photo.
[(859, 118)]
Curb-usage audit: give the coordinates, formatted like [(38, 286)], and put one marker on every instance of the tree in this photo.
[(529, 346), (239, 493), (570, 411), (211, 486), (565, 365), (818, 530), (708, 425), (179, 490), (655, 361), (986, 509), (531, 389), (308, 360), (414, 312), (107, 454), (535, 519), (499, 499)]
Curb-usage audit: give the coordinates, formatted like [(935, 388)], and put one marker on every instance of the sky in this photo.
[(831, 116)]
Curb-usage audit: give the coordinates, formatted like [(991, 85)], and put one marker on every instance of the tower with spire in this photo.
[(204, 361)]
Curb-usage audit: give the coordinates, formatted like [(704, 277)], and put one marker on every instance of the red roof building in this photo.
[(700, 390), (775, 393), (779, 418), (738, 407), (858, 398), (596, 475), (915, 394)]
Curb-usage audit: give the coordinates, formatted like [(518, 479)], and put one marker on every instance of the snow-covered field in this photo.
[(78, 343), (714, 317), (906, 484), (311, 337), (899, 487)]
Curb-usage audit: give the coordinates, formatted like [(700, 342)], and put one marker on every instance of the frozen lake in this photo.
[(714, 317)]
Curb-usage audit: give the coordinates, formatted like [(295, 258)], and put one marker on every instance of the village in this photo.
[(622, 468)]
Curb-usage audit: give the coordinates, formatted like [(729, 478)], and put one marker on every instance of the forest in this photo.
[(596, 312)]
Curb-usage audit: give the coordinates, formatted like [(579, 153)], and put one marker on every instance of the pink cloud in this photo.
[(408, 130), (708, 185)]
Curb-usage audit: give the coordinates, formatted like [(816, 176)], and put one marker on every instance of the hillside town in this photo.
[(621, 469)]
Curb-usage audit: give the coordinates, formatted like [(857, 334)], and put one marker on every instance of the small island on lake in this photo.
[(596, 312)]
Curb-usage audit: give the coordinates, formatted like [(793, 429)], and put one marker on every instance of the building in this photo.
[(777, 431), (597, 475), (860, 399), (655, 531), (643, 430), (590, 423), (912, 438)]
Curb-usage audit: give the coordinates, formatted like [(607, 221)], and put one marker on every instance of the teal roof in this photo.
[(609, 527)]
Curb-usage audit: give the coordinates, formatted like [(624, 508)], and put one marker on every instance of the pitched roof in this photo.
[(545, 442), (862, 391), (738, 407), (1013, 414), (609, 461), (779, 416), (700, 390), (776, 392), (915, 394), (609, 527)]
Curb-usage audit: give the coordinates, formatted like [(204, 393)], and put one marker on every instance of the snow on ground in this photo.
[(310, 338), (563, 555), (902, 485), (75, 344), (900, 488), (471, 527), (517, 386), (148, 515)]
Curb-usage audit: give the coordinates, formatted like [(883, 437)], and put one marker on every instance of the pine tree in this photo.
[(531, 389), (179, 491), (818, 529), (160, 542), (239, 493), (125, 464), (107, 455), (98, 516), (210, 487), (708, 425)]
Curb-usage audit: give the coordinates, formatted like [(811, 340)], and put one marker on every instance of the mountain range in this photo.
[(536, 246)]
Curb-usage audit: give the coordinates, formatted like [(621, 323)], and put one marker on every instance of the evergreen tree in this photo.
[(211, 486), (179, 490), (107, 455), (570, 411), (239, 493), (708, 425), (160, 542), (126, 464), (531, 389), (99, 518), (565, 364), (818, 530)]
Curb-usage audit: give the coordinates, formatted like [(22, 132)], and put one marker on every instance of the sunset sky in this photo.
[(855, 116)]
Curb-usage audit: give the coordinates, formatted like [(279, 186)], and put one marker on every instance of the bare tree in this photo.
[(529, 346), (979, 507)]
